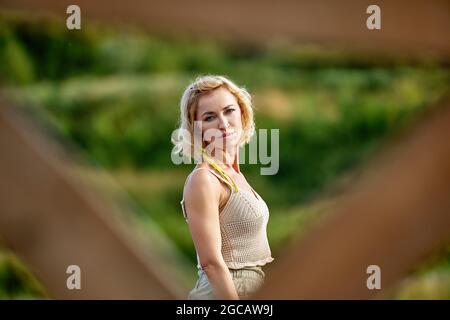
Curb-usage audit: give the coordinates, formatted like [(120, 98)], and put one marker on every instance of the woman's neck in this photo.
[(226, 159)]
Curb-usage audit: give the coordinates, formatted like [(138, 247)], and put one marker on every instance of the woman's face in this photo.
[(220, 117)]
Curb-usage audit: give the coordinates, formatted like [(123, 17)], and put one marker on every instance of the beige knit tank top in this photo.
[(243, 223)]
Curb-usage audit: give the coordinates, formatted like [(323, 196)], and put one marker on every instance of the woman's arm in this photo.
[(202, 198)]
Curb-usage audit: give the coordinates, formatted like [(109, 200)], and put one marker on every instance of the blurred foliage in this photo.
[(16, 281), (112, 94)]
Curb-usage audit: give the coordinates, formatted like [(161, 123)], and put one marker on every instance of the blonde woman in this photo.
[(227, 219)]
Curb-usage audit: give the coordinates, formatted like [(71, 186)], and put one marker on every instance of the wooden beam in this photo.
[(394, 217), (50, 222), (413, 28)]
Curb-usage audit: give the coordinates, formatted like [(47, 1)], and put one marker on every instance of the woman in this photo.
[(227, 219)]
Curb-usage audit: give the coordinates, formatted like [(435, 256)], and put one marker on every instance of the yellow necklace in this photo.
[(220, 170)]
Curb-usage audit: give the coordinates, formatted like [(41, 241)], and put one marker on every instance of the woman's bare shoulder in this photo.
[(202, 183)]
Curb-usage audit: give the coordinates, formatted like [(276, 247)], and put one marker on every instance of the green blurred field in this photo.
[(112, 97)]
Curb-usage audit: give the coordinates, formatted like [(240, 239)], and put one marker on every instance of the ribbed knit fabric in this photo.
[(243, 225)]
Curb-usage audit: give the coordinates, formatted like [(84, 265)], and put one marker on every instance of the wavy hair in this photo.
[(184, 137)]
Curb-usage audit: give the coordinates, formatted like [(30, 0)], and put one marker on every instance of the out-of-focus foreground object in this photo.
[(51, 223), (394, 217), (411, 28)]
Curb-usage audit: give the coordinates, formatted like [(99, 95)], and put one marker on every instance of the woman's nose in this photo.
[(223, 123)]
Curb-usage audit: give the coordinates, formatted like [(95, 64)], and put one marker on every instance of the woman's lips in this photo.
[(228, 134)]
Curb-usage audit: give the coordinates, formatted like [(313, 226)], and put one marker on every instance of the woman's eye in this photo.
[(229, 110), (209, 118)]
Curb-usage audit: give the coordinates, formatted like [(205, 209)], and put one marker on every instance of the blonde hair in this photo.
[(184, 139)]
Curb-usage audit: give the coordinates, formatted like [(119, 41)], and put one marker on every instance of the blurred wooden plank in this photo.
[(394, 217), (414, 28), (51, 223)]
